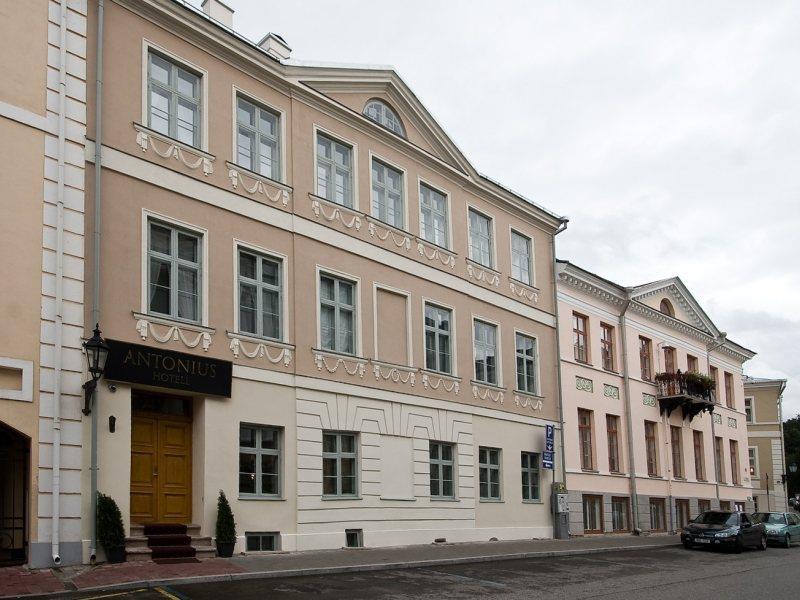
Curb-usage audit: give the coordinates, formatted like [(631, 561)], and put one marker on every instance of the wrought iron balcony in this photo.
[(691, 392)]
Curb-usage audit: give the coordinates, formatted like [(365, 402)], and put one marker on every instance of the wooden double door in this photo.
[(161, 468)]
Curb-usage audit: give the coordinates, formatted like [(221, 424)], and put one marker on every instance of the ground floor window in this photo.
[(592, 514), (620, 509), (530, 476), (339, 464), (489, 473), (724, 504), (658, 521), (703, 506), (259, 461), (262, 542), (682, 512), (739, 506)]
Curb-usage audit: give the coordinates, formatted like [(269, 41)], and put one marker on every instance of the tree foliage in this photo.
[(791, 439)]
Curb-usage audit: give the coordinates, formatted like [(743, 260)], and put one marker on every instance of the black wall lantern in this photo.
[(96, 356)]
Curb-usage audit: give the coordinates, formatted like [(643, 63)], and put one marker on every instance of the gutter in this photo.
[(626, 384), (55, 520), (720, 341), (560, 229), (98, 146)]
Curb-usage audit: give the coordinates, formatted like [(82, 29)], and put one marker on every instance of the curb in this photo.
[(153, 583)]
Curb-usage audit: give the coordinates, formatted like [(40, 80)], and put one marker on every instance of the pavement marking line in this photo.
[(167, 594), (115, 595), (466, 578)]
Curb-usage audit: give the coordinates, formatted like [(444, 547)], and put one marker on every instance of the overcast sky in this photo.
[(668, 132)]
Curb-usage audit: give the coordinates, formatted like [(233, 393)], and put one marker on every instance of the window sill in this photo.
[(339, 498), (262, 498), (529, 286), (442, 374), (249, 337), (171, 140), (435, 246), (492, 500), (491, 386), (436, 499), (389, 227), (342, 355), (594, 471), (655, 476), (258, 176), (398, 499), (173, 322), (585, 363), (539, 502), (529, 394), (333, 204), (478, 265)]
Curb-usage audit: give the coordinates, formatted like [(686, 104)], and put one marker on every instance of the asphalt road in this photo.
[(646, 574)]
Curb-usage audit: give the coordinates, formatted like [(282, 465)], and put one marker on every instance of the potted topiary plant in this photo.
[(226, 527), (110, 531)]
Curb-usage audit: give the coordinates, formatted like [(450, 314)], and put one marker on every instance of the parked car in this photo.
[(724, 529), (782, 528), (793, 502)]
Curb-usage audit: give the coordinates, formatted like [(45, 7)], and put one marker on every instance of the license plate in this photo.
[(702, 540)]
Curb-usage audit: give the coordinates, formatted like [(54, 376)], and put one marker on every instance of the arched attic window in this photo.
[(666, 308), (384, 115)]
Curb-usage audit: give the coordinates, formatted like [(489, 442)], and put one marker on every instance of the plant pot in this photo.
[(225, 549), (115, 555)]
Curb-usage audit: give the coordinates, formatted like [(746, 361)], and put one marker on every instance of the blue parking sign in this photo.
[(549, 447)]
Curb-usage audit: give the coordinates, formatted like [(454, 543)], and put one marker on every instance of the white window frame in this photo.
[(147, 216), (492, 232), (322, 270), (318, 129), (752, 401), (448, 207), (409, 327), (147, 46), (392, 109), (535, 338), (453, 340), (499, 350), (404, 174), (258, 451), (757, 474), (284, 260), (531, 256), (253, 99)]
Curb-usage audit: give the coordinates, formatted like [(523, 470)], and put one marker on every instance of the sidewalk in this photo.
[(17, 581)]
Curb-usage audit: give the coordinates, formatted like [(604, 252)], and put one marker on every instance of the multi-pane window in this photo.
[(530, 476), (658, 515), (719, 467), (713, 372), (259, 461), (259, 295), (526, 363), (651, 447), (489, 473), (438, 332), (334, 170), (612, 433), (580, 340), (703, 505), (480, 238), (736, 477), (607, 346), (387, 194), (337, 314), (699, 456), (729, 390), (521, 258), (677, 451), (645, 358), (339, 464), (262, 542), (620, 509), (585, 437), (258, 139), (752, 456), (433, 216), (383, 115), (748, 409), (173, 100), (692, 364), (669, 360), (174, 270), (592, 514), (442, 468), (485, 349)]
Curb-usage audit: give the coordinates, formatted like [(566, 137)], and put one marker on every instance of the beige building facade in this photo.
[(314, 302), (766, 452), (43, 128), (645, 448)]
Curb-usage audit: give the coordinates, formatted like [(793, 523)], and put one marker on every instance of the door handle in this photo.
[(155, 473)]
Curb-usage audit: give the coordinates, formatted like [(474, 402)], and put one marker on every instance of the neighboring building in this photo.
[(643, 449), (314, 301), (766, 453), (42, 128)]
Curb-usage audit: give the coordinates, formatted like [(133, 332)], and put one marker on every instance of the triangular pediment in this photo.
[(685, 307)]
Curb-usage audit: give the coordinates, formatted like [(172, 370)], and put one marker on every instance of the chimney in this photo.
[(219, 11), (275, 46)]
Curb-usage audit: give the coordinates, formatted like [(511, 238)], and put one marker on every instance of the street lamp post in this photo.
[(96, 355)]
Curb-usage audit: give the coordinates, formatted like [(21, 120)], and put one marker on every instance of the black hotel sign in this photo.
[(134, 363)]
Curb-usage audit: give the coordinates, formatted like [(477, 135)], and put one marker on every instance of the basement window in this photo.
[(262, 542), (354, 538)]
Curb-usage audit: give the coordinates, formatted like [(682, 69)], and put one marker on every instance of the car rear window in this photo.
[(718, 518), (770, 518)]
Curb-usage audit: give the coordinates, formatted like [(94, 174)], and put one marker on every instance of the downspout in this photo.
[(98, 145), (561, 228), (670, 470), (55, 520), (783, 450), (626, 384), (717, 467)]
